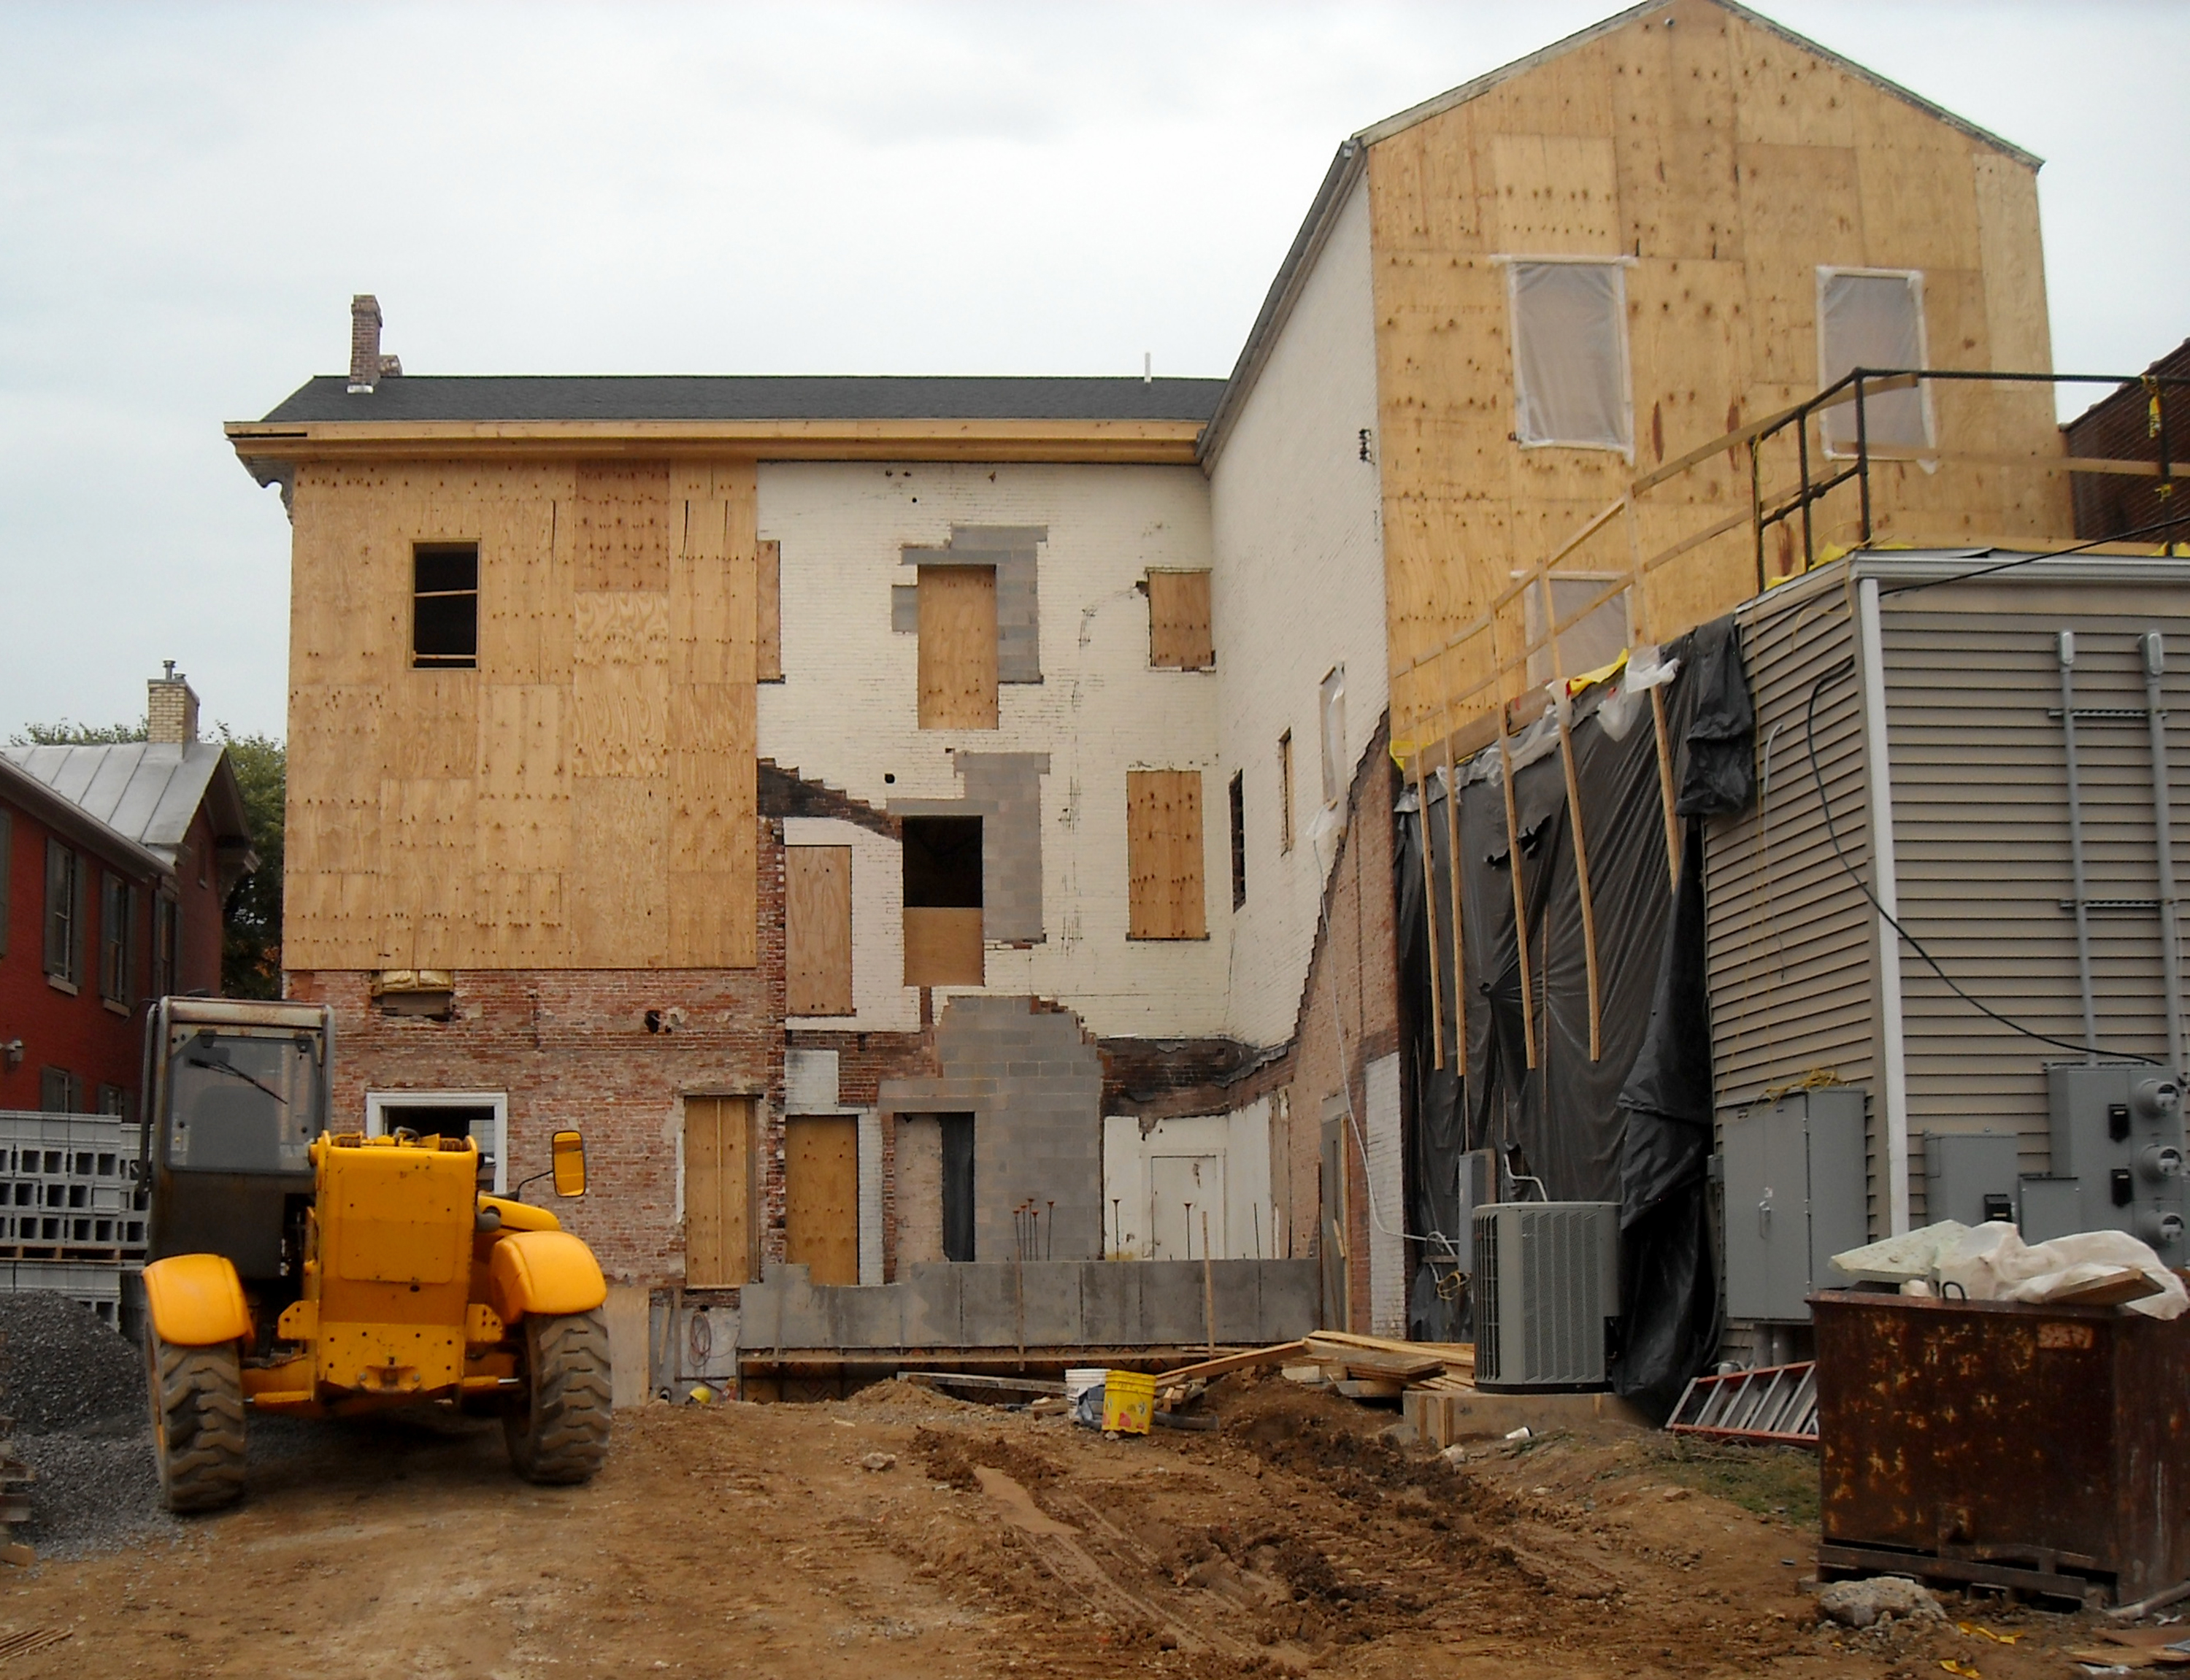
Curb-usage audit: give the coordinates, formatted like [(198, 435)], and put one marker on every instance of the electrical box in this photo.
[(2051, 1208), (1794, 1197), (2118, 1133), (1969, 1176)]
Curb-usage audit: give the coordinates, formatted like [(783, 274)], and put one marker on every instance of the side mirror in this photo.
[(566, 1155)]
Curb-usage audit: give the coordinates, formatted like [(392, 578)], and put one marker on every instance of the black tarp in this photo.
[(1634, 1125)]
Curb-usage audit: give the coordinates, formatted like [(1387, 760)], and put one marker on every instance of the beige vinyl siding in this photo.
[(1792, 963), (1981, 827)]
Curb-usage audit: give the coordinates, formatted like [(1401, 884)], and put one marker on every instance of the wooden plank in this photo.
[(1164, 852), (1239, 1362), (821, 1196), (622, 510), (957, 646), (943, 947), (769, 595), (1375, 1362), (718, 1192), (619, 684), (1369, 1388), (619, 892), (817, 915), (1179, 637)]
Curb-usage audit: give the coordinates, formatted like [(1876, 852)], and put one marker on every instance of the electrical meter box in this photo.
[(1794, 1197), (1969, 1176), (2117, 1136)]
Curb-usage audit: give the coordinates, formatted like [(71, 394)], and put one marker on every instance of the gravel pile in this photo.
[(75, 1389)]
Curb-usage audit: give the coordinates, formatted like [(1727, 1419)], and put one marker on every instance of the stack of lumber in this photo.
[(1374, 1367)]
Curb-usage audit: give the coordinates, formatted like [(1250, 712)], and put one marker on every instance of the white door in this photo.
[(1183, 1191)]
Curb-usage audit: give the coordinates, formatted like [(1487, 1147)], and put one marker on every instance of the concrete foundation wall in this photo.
[(1041, 1303)]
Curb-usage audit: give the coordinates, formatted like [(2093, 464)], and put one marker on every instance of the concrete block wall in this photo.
[(1298, 587), (846, 711), (1034, 1084)]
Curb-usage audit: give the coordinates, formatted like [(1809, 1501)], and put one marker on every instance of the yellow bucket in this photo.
[(1129, 1399)]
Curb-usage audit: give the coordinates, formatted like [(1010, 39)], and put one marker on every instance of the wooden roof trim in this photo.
[(1157, 442), (1482, 84)]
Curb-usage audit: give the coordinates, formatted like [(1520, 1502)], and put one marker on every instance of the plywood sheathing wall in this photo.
[(584, 798), (1727, 163)]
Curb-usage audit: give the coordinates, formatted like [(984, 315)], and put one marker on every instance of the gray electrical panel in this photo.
[(2118, 1139), (1969, 1176), (1794, 1189)]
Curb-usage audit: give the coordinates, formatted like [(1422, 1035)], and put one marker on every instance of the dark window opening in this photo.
[(957, 1186), (1239, 839), (117, 944), (64, 912), (942, 862), (444, 606)]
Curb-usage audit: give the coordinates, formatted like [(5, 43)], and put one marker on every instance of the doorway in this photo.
[(821, 1196), (718, 1192)]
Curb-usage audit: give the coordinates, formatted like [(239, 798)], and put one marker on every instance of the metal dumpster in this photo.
[(2040, 1448)]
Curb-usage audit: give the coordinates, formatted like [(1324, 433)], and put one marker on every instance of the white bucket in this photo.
[(1083, 1394)]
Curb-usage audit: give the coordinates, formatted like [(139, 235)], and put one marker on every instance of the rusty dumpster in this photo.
[(2044, 1448)]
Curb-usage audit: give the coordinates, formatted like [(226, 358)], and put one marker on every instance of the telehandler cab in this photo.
[(310, 1273)]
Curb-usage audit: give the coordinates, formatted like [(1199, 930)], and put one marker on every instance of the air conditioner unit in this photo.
[(1546, 1284)]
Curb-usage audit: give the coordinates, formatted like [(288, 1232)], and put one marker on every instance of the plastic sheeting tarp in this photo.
[(1872, 320), (1570, 354), (1634, 1126)]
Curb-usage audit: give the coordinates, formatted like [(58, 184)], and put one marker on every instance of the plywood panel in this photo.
[(718, 1183), (619, 892), (426, 877), (622, 516), (521, 748), (524, 581), (821, 1196), (817, 932), (957, 646), (1164, 855), (620, 684), (1179, 637), (712, 607), (2008, 252), (1556, 194), (769, 596), (943, 947)]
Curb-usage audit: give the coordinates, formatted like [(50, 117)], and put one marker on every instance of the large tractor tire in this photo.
[(197, 1423), (559, 1432)]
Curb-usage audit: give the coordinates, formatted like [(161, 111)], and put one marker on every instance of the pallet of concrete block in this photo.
[(96, 1284), (69, 1187)]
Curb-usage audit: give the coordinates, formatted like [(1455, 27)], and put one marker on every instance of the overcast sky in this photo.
[(188, 195)]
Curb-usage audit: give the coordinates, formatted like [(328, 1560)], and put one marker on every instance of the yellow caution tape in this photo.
[(1976, 1630)]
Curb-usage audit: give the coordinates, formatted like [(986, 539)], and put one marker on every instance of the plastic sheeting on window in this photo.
[(1571, 355), (1872, 320)]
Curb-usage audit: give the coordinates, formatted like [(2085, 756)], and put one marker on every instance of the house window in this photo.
[(114, 1100), (1285, 791), (1163, 855), (1570, 385), (1239, 839), (1588, 642), (1873, 318), (481, 1116), (1332, 711), (167, 934), (64, 913), (58, 1091), (117, 928), (942, 901), (444, 606)]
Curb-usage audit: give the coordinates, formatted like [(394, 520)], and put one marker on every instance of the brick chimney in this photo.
[(365, 359), (171, 709)]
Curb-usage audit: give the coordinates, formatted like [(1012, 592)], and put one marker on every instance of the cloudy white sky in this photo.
[(188, 195)]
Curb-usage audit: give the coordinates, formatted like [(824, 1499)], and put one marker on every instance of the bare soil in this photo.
[(750, 1541)]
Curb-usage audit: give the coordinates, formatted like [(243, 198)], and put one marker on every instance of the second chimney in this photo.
[(171, 709), (363, 341)]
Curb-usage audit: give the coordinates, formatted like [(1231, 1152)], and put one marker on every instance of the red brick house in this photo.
[(117, 860)]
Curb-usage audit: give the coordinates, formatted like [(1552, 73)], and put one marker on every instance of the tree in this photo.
[(251, 946), (251, 940)]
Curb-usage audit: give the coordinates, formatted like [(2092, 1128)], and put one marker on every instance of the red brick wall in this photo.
[(197, 888)]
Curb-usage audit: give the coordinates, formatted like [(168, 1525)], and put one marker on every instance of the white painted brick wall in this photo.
[(1242, 1140), (1298, 588), (846, 713), (881, 1003)]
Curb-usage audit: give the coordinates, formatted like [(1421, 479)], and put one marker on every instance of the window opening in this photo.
[(444, 606), (1873, 318), (64, 912), (1570, 378), (1334, 736), (483, 1116), (1586, 643), (1285, 791), (957, 1186), (1239, 839), (943, 932)]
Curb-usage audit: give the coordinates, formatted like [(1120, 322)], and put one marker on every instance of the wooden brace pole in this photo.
[(1520, 905), (1643, 633)]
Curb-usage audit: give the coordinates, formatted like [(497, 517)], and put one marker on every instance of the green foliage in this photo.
[(251, 946), (65, 733)]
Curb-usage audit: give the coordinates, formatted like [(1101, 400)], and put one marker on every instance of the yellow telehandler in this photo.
[(296, 1270)]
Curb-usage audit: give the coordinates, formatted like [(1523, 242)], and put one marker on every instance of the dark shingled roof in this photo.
[(433, 397)]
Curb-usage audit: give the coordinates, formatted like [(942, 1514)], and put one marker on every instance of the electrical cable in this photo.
[(1838, 673)]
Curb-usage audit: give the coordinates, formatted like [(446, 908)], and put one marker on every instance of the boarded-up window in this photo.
[(817, 932), (1571, 355), (1178, 621), (821, 1196), (718, 1192), (1872, 320), (768, 651), (1163, 855), (957, 646), (943, 931)]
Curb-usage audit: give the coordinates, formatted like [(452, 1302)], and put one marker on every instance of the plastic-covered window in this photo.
[(1868, 319), (1571, 356)]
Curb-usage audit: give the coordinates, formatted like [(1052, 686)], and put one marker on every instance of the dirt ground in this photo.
[(750, 1540)]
